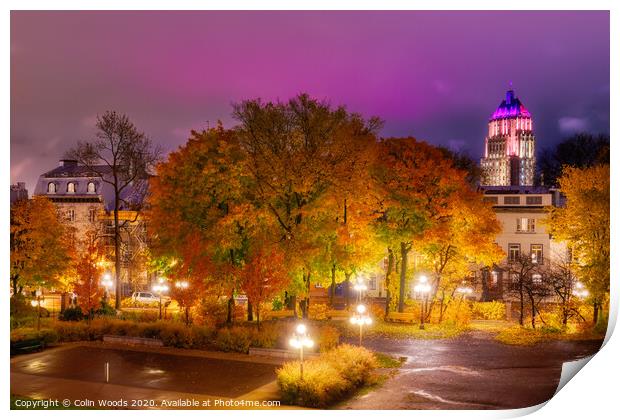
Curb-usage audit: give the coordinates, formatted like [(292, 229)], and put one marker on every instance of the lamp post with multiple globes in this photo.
[(159, 289), (361, 319), (422, 289), (299, 340)]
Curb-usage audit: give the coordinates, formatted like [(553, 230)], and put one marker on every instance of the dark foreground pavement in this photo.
[(471, 371), (148, 376)]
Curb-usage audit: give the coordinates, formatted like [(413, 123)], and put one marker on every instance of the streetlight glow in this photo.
[(361, 319), (423, 289), (299, 340)]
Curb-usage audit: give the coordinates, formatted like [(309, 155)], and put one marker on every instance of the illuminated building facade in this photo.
[(509, 147)]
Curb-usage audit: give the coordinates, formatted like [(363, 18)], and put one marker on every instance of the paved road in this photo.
[(172, 372), (471, 371)]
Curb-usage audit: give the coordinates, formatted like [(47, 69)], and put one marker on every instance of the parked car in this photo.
[(149, 297)]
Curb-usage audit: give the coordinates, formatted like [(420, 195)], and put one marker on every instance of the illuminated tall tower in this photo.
[(509, 146)]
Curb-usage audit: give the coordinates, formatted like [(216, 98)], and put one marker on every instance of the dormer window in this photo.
[(90, 188), (51, 188), (71, 187)]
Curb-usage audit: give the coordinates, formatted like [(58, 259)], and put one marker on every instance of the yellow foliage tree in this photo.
[(584, 224)]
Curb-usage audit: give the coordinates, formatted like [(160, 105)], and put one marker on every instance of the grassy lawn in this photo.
[(401, 330), (522, 336), (387, 361)]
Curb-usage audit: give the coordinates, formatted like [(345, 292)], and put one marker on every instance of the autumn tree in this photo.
[(297, 152), (584, 224), (263, 277), (416, 182), (122, 157), (41, 247), (562, 281), (462, 239), (199, 212), (87, 284)]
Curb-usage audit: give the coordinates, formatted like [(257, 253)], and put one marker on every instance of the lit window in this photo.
[(70, 187), (494, 278), (70, 215), (372, 283), (91, 188), (536, 278), (51, 188), (526, 225), (537, 253)]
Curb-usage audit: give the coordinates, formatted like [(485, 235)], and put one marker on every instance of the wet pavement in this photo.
[(471, 371), (172, 372)]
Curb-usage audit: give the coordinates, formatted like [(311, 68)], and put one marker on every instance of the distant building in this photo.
[(85, 202), (521, 212), (18, 192), (510, 145)]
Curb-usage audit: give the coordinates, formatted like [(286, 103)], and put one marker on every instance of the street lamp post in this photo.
[(300, 340), (37, 303), (361, 319), (183, 285), (160, 288), (107, 282), (422, 289)]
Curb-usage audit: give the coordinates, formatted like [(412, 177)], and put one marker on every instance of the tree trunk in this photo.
[(332, 287), (595, 313), (346, 290), (442, 308), (230, 313), (117, 252), (403, 276), (388, 274), (533, 306), (250, 311), (522, 305), (258, 317)]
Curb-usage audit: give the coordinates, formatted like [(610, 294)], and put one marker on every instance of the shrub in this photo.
[(328, 338), (520, 336), (202, 337), (354, 363), (233, 339), (266, 337), (322, 384), (140, 316), (489, 310), (73, 313), (377, 311), (46, 335), (72, 331), (318, 311), (174, 334), (327, 379), (458, 313), (211, 311)]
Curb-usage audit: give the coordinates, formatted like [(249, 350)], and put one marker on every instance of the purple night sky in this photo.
[(435, 75)]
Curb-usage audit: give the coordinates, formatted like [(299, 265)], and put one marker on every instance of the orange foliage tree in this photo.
[(88, 271), (264, 276)]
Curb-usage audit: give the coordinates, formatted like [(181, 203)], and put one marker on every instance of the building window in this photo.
[(372, 283), (492, 200), (537, 253), (537, 199), (92, 215), (514, 251), (70, 215), (525, 224), (71, 187), (536, 278), (91, 188), (51, 188), (494, 278), (514, 277), (512, 200)]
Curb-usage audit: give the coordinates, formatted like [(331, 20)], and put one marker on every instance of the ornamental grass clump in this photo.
[(327, 379)]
